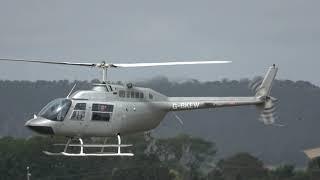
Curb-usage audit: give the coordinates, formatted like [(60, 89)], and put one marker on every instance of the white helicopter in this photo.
[(110, 110)]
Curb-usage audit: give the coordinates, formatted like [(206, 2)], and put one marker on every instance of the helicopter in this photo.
[(109, 110)]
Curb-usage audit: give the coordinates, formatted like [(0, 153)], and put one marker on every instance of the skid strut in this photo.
[(83, 146)]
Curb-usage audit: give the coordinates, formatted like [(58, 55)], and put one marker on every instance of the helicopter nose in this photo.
[(40, 125)]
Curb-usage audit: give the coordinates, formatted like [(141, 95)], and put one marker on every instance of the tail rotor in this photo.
[(255, 83), (268, 112)]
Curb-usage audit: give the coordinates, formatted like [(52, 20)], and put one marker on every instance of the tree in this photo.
[(241, 166), (283, 172), (314, 169), (192, 156)]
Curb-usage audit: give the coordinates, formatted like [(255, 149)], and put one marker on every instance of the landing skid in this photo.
[(82, 146)]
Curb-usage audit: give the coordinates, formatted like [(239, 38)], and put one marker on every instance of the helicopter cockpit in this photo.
[(56, 110)]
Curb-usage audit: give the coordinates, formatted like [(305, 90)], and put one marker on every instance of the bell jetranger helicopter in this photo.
[(109, 110)]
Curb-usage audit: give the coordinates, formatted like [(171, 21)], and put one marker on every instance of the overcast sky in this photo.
[(252, 34)]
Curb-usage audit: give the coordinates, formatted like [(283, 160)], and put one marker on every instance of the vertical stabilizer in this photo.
[(266, 85)]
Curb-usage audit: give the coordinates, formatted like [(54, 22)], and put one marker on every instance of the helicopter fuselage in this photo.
[(110, 110), (106, 110)]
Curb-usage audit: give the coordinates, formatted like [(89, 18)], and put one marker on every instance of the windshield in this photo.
[(56, 110)]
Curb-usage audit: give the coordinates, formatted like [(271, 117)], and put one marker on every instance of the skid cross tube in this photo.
[(83, 146), (104, 142)]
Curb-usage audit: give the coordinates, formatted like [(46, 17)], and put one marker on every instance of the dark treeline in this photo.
[(232, 129), (178, 158)]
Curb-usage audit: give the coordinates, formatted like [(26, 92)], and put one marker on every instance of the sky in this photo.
[(252, 34)]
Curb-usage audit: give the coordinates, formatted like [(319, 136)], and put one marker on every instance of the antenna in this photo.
[(75, 84), (104, 75)]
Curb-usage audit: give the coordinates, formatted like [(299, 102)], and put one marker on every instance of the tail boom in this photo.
[(191, 103)]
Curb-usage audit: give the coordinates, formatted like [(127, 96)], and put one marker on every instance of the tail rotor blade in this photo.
[(268, 114), (255, 83)]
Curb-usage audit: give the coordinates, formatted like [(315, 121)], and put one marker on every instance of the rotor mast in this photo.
[(104, 74), (104, 66)]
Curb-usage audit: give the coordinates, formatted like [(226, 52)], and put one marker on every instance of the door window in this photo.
[(101, 112), (122, 93), (79, 112)]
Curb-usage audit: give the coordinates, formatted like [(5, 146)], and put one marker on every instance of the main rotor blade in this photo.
[(51, 62), (119, 65), (167, 63)]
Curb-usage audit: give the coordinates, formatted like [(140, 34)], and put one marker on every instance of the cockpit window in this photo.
[(56, 110)]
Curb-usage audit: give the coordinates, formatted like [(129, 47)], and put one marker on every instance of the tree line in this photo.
[(177, 158)]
